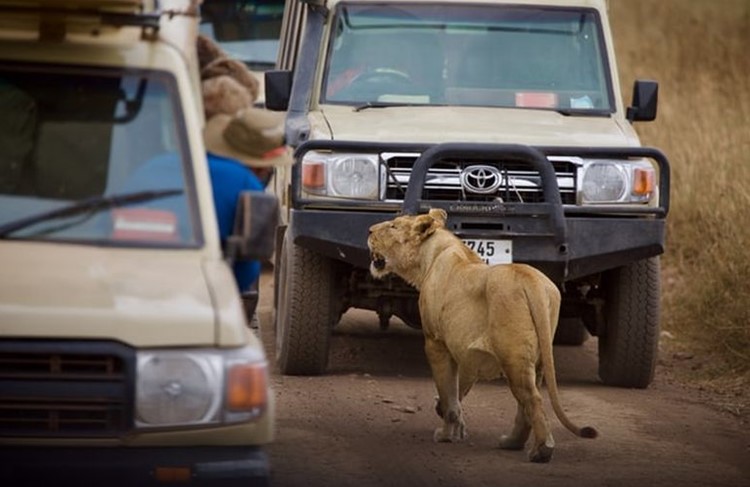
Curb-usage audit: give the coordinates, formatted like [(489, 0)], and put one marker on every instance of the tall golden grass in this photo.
[(699, 51)]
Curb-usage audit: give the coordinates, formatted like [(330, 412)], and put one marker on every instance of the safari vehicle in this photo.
[(506, 114), (125, 355)]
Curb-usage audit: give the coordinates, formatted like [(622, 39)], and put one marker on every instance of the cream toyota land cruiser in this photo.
[(505, 113), (125, 355)]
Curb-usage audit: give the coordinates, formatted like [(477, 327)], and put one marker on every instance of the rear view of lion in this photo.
[(479, 322)]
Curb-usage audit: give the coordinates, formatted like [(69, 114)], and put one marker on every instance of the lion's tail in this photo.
[(541, 313)]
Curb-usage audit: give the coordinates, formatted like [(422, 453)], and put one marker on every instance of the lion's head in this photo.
[(394, 244)]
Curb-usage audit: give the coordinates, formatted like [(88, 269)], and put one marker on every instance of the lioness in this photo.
[(479, 322)]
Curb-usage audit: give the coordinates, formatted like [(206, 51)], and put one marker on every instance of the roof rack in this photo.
[(54, 16)]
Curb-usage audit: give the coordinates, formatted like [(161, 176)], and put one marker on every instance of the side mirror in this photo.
[(645, 98), (278, 89), (255, 225)]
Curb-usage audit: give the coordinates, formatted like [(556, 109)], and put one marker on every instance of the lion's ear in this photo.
[(439, 215), (425, 225)]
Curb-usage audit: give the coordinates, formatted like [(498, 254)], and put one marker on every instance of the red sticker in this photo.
[(536, 99), (144, 224)]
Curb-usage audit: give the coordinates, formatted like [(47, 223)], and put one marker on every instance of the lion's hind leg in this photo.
[(445, 374), (516, 440), (530, 417)]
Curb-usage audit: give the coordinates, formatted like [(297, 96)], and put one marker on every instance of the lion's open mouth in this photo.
[(378, 261)]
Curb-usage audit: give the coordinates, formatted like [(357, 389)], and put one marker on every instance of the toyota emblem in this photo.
[(481, 179)]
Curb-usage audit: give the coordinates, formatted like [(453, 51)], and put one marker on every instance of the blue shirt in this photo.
[(228, 178)]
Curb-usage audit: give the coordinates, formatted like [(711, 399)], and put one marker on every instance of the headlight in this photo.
[(616, 181), (603, 182), (337, 175), (199, 387), (178, 388)]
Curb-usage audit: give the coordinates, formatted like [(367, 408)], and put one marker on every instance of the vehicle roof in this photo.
[(90, 21), (109, 6), (596, 4)]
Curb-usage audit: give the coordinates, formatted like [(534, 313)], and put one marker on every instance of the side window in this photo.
[(247, 30)]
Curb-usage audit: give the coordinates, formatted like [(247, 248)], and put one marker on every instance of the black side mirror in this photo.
[(645, 98), (255, 225), (278, 89)]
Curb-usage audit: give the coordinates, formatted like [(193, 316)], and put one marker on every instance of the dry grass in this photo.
[(699, 51)]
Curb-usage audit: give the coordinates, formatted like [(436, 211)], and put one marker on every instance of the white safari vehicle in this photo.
[(125, 355), (505, 113)]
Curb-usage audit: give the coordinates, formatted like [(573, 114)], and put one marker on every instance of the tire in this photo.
[(304, 314), (628, 346), (571, 332)]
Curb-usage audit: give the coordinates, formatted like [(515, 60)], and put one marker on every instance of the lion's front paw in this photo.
[(440, 436), (451, 433)]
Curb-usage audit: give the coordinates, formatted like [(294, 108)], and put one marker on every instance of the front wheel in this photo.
[(304, 311), (629, 343)]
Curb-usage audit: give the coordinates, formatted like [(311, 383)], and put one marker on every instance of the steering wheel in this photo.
[(376, 82), (384, 76)]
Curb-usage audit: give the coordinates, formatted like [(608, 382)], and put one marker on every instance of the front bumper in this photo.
[(565, 242), (215, 466), (593, 244)]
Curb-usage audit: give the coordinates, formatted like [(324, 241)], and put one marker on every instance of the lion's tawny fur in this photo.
[(479, 322)]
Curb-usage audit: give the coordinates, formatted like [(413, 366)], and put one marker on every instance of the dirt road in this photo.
[(369, 422)]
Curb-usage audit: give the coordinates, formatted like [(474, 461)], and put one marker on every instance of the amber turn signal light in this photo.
[(313, 175), (643, 182), (247, 387)]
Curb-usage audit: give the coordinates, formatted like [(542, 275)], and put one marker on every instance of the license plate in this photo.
[(492, 251)]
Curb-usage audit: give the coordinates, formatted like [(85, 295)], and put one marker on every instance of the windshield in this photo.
[(93, 155), (475, 55), (247, 30)]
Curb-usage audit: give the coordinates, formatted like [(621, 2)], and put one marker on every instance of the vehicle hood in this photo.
[(142, 298), (471, 124)]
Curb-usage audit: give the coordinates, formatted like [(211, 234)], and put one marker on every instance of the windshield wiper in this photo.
[(93, 204), (385, 104), (583, 112)]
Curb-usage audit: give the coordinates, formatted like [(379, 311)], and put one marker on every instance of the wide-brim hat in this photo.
[(253, 136)]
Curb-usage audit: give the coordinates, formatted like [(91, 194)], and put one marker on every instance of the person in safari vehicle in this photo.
[(236, 144), (244, 145)]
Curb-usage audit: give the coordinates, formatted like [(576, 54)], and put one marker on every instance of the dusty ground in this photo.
[(369, 422)]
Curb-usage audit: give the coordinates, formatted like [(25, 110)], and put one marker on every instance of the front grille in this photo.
[(65, 389), (518, 182)]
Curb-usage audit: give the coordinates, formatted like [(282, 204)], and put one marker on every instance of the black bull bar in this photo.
[(564, 241)]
